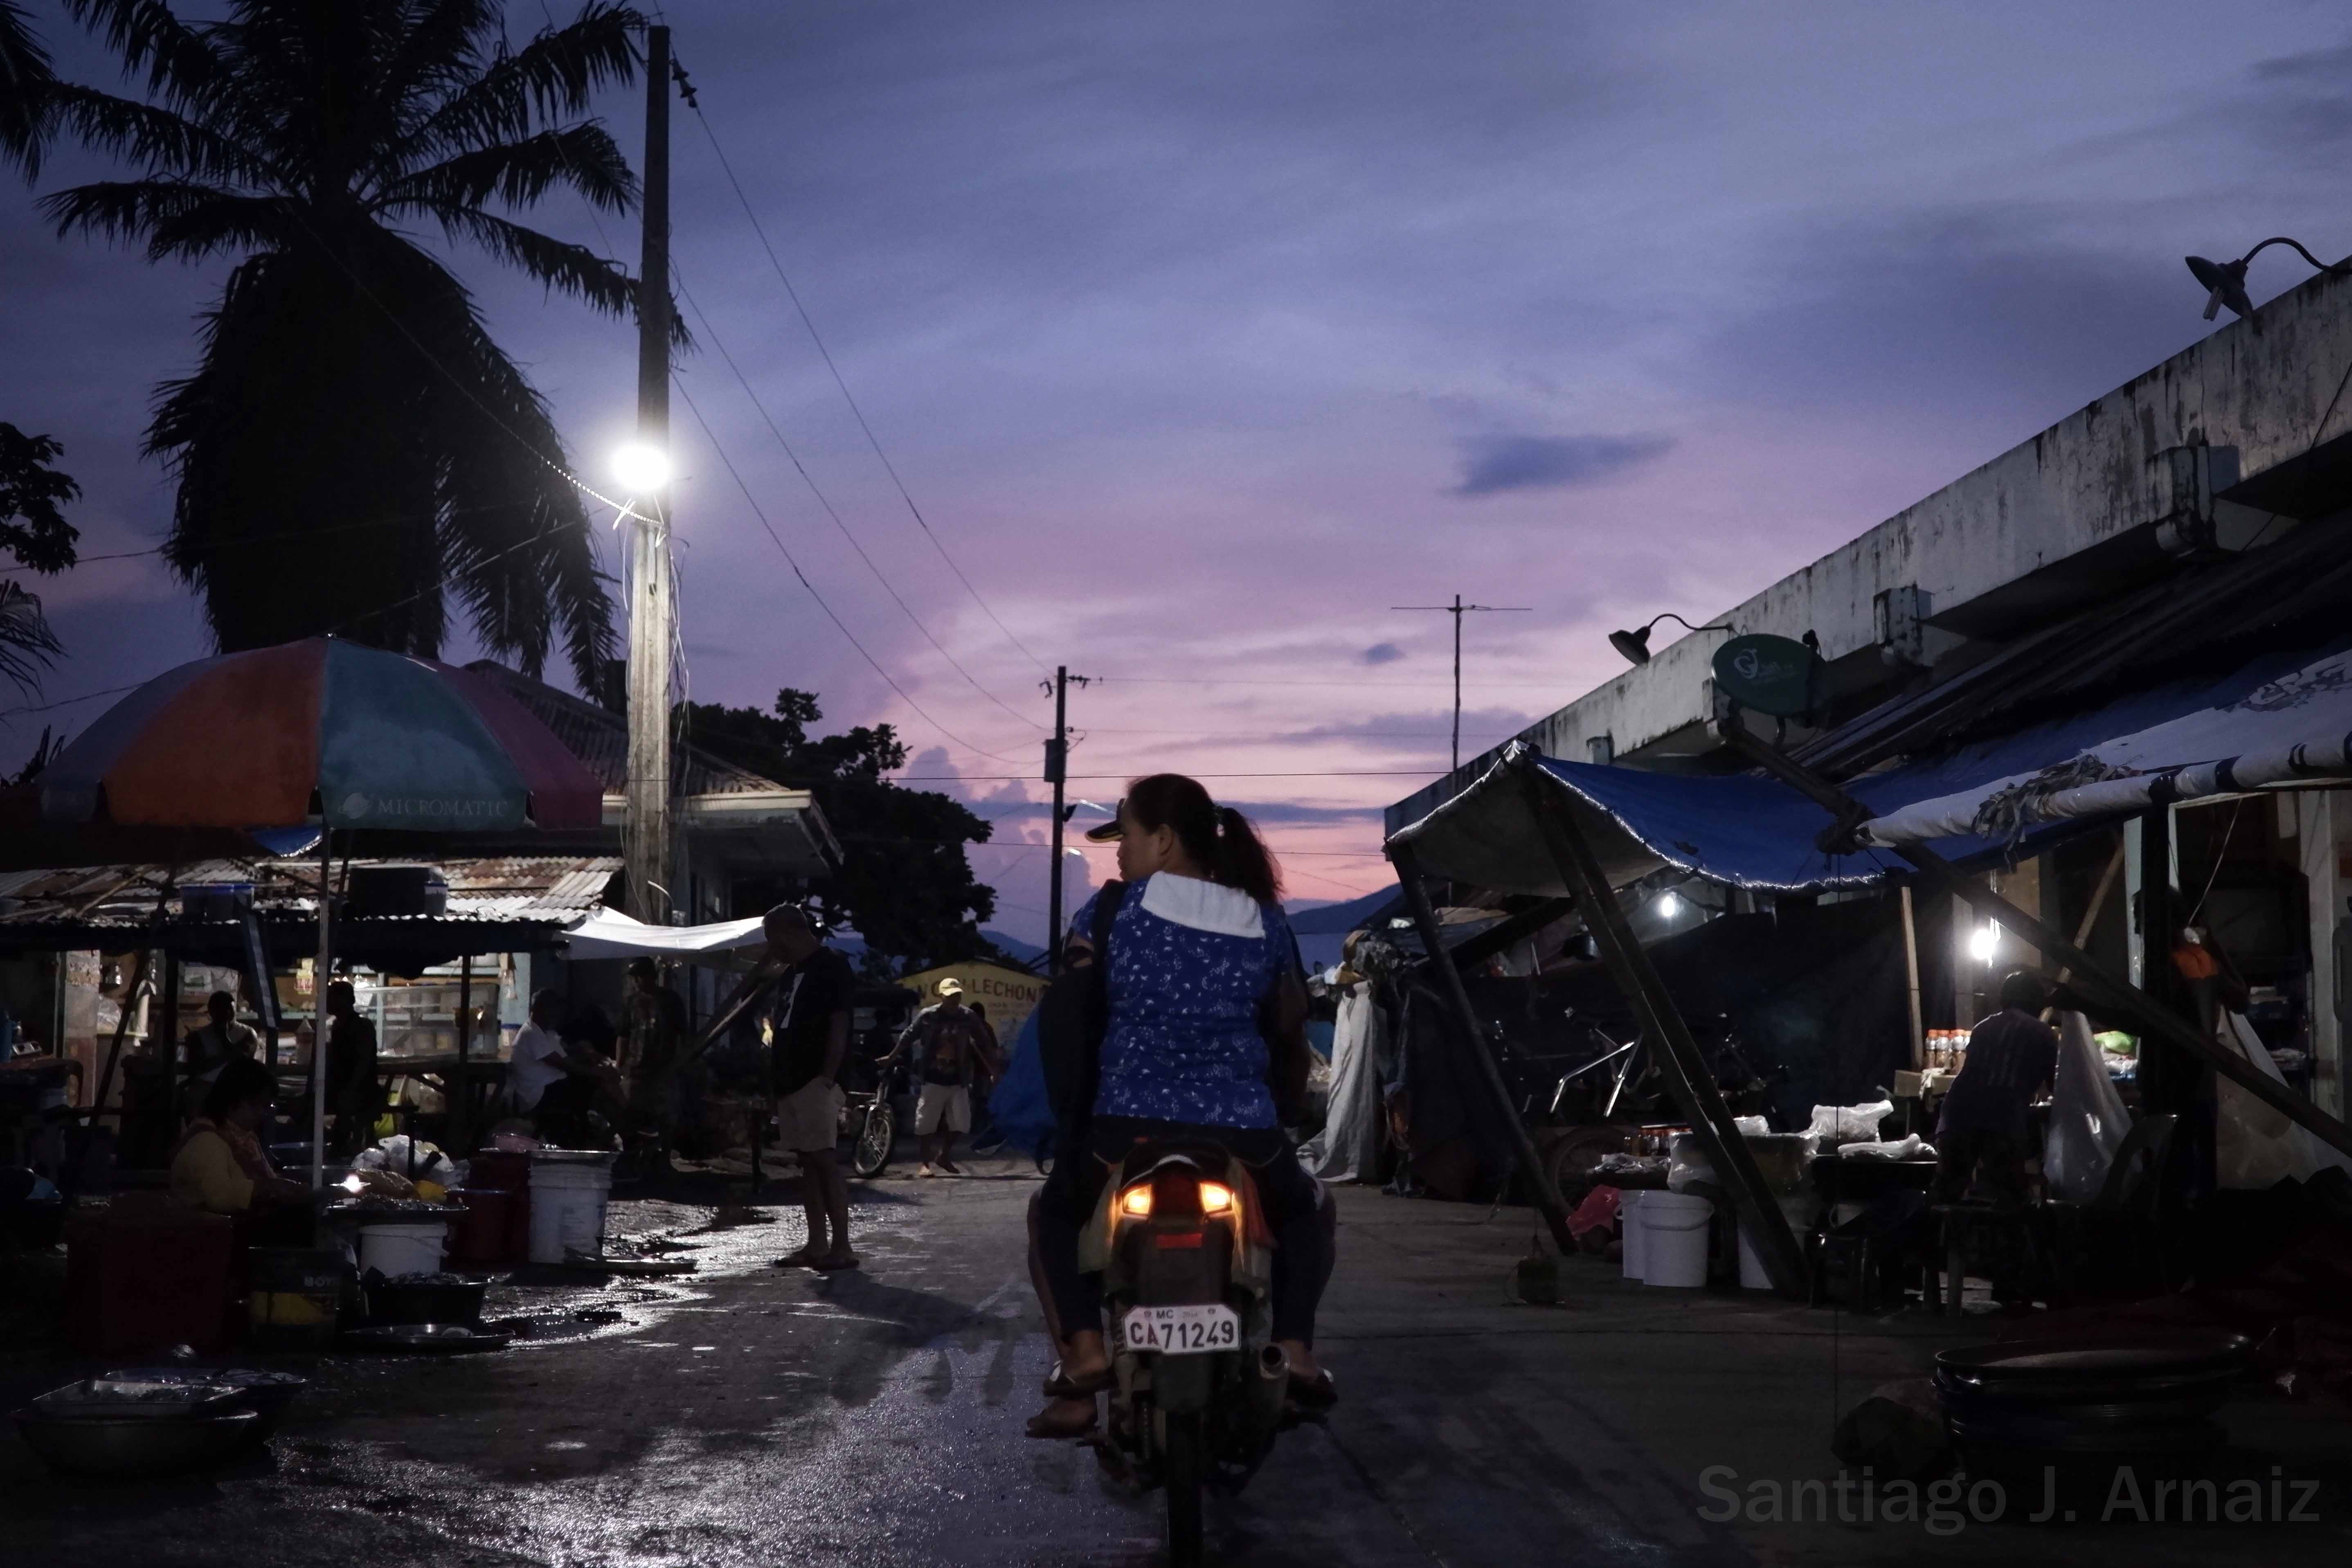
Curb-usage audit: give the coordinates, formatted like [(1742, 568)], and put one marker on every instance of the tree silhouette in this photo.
[(352, 448)]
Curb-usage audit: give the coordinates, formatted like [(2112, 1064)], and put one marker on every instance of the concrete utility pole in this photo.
[(1457, 609), (652, 587), (1057, 761)]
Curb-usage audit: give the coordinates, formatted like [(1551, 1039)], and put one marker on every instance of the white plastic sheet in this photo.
[(2087, 1119), (1349, 1147), (2257, 1146)]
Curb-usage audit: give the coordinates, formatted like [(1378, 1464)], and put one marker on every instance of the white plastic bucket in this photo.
[(568, 1195), (1798, 1209), (1629, 1207), (411, 1246), (1673, 1239)]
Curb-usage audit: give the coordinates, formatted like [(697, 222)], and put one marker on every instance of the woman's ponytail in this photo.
[(1242, 859)]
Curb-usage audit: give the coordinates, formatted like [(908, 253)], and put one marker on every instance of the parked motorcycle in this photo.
[(1187, 1290)]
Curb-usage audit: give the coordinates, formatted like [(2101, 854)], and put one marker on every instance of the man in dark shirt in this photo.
[(805, 1026), (355, 1095), (1982, 1132), (653, 1029)]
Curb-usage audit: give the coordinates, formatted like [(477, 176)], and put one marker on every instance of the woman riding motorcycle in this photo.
[(1201, 967)]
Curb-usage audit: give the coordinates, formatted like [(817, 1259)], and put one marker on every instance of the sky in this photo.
[(1201, 336)]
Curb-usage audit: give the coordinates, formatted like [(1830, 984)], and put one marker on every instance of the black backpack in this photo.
[(1071, 1018)]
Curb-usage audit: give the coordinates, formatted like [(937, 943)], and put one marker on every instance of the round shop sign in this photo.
[(1770, 675)]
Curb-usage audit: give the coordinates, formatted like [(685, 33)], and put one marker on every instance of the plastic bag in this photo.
[(2087, 1119), (1689, 1163), (1839, 1125), (395, 1154), (2257, 1146), (1911, 1148)]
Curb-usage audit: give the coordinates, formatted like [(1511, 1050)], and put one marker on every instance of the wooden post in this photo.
[(2111, 996), (318, 982), (1689, 1077), (652, 585), (1424, 918), (1911, 967), (461, 1101)]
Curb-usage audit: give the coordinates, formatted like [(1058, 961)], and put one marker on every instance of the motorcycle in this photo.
[(1199, 1384)]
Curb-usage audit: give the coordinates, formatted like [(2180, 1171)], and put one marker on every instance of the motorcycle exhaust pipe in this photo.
[(1268, 1388)]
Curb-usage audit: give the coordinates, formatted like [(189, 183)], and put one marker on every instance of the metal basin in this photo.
[(126, 1447)]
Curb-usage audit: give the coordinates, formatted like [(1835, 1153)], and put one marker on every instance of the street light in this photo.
[(641, 467), (1635, 644), (2225, 282)]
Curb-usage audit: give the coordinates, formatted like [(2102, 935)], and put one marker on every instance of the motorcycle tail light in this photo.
[(1136, 1202), (1216, 1198)]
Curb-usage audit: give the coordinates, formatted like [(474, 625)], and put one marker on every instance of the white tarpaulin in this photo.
[(1349, 1147), (2297, 727), (608, 933), (2257, 1146)]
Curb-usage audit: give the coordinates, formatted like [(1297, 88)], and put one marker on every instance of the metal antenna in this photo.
[(1457, 609)]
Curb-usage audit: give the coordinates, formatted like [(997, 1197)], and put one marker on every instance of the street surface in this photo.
[(751, 1416)]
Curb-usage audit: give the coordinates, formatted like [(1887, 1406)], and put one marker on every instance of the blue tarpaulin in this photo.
[(1748, 831)]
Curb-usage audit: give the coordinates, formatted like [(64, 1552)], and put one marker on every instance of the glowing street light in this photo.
[(641, 467)]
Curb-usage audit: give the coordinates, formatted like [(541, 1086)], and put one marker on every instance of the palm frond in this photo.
[(177, 218), (158, 138), (557, 73), (28, 92), (27, 646), (519, 173), (180, 63), (573, 270)]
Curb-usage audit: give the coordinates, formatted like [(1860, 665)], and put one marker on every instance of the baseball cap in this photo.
[(951, 986), (1107, 832)]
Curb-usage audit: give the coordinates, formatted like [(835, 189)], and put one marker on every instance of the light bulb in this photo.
[(641, 467), (1984, 942), (1669, 906)]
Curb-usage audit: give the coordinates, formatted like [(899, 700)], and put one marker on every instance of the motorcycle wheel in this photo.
[(1184, 1466), (876, 1140)]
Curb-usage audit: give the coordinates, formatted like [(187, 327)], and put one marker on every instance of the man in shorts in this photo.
[(805, 1025), (951, 1050)]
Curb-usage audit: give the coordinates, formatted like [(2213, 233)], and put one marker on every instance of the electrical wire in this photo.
[(752, 502), (821, 500), (822, 353)]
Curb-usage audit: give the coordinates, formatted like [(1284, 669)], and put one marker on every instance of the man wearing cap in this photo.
[(950, 1047)]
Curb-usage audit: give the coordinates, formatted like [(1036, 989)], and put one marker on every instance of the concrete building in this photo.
[(2204, 496)]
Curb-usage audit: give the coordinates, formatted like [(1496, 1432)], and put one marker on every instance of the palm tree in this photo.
[(24, 83), (353, 447)]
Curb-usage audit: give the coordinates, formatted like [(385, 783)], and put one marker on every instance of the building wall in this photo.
[(2087, 481)]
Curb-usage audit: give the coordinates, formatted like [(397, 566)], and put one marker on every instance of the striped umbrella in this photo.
[(324, 733)]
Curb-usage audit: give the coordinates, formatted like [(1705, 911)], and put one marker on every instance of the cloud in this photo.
[(1493, 464), (1382, 653)]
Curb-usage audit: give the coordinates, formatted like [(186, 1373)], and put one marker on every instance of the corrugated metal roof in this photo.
[(538, 889)]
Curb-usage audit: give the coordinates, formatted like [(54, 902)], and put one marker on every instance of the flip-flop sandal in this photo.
[(1046, 1425), (1060, 1384), (834, 1262), (803, 1258), (1313, 1395)]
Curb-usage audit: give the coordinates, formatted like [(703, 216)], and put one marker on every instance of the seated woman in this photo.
[(220, 1166), (1199, 956)]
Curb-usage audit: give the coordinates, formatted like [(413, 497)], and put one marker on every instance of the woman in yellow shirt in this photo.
[(219, 1165)]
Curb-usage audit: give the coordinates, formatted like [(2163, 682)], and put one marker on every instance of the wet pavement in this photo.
[(750, 1415)]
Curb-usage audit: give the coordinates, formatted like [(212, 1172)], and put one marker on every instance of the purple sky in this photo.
[(1204, 334)]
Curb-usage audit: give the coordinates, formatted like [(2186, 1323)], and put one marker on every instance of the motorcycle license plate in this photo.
[(1182, 1330)]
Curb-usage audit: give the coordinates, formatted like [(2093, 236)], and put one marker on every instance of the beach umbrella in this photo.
[(320, 733)]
